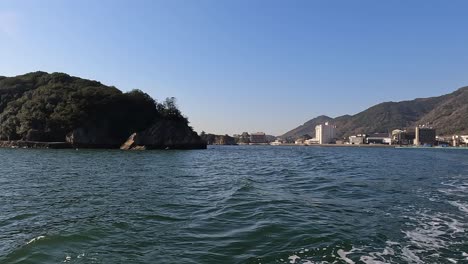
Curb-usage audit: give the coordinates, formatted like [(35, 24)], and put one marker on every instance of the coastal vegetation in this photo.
[(58, 107)]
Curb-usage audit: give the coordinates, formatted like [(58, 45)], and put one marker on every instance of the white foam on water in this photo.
[(379, 257), (457, 188), (293, 258), (388, 251), (410, 256), (452, 260), (432, 231), (34, 239), (426, 238), (371, 260), (461, 206), (391, 243), (456, 226), (343, 255)]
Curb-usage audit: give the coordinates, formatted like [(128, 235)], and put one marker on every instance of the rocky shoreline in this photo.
[(21, 144), (35, 144)]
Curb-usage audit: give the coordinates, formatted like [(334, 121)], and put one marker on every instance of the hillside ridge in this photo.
[(447, 113)]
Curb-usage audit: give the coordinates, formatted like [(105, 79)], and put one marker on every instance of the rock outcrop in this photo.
[(165, 134), (92, 137)]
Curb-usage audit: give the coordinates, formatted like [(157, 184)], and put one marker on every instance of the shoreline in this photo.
[(341, 145), (316, 145), (35, 144), (20, 144), (348, 146)]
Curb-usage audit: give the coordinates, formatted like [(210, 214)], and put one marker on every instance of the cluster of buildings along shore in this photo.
[(325, 134)]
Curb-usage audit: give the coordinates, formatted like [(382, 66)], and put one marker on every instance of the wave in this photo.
[(34, 239)]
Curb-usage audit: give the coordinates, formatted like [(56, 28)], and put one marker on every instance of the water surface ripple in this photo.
[(251, 204)]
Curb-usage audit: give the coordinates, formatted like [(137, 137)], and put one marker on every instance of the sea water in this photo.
[(234, 204)]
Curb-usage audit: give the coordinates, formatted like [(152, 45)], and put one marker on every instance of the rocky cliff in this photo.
[(165, 134)]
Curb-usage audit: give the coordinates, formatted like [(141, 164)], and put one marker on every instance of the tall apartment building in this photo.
[(325, 133)]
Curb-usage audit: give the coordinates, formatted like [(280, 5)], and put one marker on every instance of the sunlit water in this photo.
[(234, 205)]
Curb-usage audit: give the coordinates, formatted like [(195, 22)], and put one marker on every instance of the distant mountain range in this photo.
[(447, 113)]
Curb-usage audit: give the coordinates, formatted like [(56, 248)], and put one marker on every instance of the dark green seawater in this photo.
[(234, 205)]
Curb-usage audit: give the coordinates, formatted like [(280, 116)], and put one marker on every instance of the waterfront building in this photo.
[(425, 135), (460, 140), (358, 139), (464, 140), (443, 141), (403, 137), (312, 141), (325, 133), (258, 138), (299, 141), (277, 142), (398, 136), (379, 138), (341, 141)]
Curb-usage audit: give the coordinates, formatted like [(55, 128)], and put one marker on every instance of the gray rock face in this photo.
[(92, 137), (165, 134)]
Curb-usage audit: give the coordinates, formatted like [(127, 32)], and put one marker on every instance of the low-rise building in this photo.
[(358, 139), (341, 141), (258, 138), (460, 140), (312, 141), (299, 141), (379, 138), (403, 137), (277, 142)]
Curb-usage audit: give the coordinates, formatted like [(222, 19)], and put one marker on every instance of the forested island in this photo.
[(58, 110)]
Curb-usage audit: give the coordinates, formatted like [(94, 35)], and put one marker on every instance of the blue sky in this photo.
[(246, 65)]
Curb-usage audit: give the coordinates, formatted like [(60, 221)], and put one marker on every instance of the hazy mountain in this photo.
[(447, 113)]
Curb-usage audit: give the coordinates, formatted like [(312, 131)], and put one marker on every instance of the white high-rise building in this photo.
[(325, 134)]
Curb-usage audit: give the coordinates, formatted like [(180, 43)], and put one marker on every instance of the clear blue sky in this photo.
[(246, 65)]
